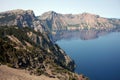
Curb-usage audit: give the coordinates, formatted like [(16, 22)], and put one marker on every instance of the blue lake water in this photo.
[(99, 58)]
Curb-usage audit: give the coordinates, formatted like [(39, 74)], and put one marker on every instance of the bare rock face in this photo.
[(52, 21), (20, 18), (84, 21)]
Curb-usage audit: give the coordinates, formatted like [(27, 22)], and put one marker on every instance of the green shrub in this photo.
[(39, 72), (9, 65)]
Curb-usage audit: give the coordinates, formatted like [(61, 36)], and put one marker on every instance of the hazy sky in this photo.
[(104, 8)]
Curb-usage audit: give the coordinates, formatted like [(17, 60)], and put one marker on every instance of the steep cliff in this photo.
[(24, 48), (20, 18), (84, 21)]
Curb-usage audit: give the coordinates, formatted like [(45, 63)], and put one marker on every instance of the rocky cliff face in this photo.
[(52, 21), (20, 18), (84, 21)]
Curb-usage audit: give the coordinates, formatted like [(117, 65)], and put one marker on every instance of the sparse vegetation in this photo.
[(6, 18), (35, 59), (73, 25)]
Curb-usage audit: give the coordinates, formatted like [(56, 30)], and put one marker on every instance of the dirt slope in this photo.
[(7, 73)]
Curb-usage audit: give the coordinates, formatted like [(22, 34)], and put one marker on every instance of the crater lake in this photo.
[(97, 55)]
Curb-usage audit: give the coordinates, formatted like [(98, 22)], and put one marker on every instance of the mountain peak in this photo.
[(85, 14), (18, 11), (50, 12), (19, 17)]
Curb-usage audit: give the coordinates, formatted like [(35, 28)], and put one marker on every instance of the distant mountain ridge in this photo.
[(84, 21), (51, 21)]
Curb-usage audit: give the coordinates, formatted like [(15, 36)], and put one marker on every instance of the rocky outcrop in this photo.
[(84, 21), (20, 18)]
